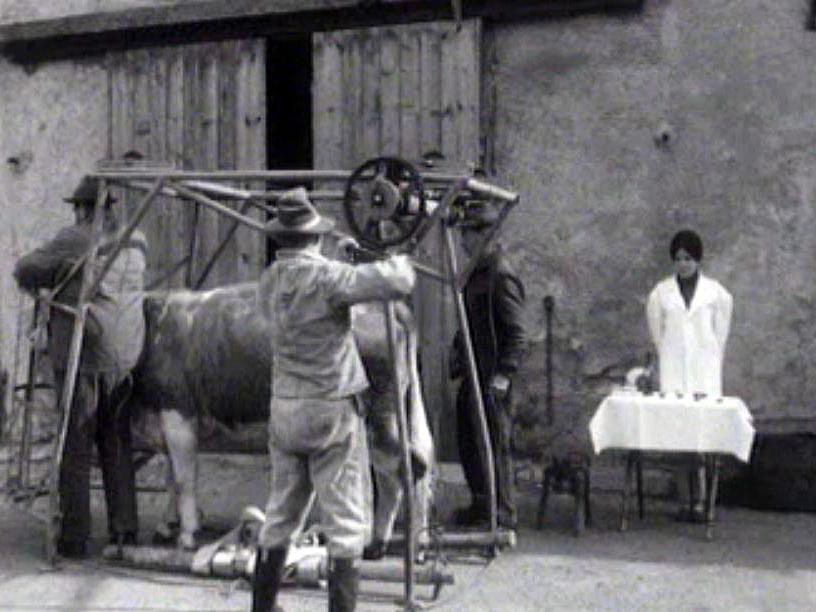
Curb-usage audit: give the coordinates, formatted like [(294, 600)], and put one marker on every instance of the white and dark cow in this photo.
[(207, 354)]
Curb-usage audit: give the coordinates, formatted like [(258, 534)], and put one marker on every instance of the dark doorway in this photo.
[(288, 107)]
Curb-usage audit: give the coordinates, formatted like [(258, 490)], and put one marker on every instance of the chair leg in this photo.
[(713, 476), (627, 484), (692, 493), (639, 464), (542, 502), (587, 503), (579, 494)]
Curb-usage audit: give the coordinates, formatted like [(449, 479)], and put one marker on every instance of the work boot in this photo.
[(344, 579), (375, 550), (269, 566)]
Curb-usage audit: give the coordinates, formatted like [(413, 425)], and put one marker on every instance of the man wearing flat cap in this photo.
[(114, 333), (317, 438), (494, 300)]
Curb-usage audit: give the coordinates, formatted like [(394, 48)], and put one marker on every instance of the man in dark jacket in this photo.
[(494, 300), (114, 334)]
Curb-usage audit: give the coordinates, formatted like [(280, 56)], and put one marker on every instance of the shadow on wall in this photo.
[(541, 430), (780, 476)]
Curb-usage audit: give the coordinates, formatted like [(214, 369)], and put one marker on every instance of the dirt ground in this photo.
[(758, 560)]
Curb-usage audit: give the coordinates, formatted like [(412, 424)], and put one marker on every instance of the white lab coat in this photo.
[(690, 341)]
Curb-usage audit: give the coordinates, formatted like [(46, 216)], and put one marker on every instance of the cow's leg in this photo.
[(385, 460), (421, 442), (423, 493), (180, 436), (389, 498), (167, 530)]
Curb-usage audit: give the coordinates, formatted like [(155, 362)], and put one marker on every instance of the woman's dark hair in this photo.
[(689, 241), (295, 241)]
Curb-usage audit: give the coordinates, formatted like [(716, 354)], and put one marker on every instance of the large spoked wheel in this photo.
[(384, 202)]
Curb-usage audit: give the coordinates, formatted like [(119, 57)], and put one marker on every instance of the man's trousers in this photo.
[(318, 445), (472, 453), (96, 419)]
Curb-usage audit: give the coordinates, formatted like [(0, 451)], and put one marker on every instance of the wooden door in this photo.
[(199, 107), (404, 91)]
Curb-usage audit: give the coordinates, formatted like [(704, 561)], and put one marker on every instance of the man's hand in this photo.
[(402, 263), (346, 247), (500, 385)]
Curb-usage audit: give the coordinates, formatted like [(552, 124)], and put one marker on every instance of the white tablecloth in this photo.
[(672, 423)]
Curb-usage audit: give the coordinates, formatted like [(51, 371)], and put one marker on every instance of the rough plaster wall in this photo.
[(578, 104), (54, 124), (54, 121)]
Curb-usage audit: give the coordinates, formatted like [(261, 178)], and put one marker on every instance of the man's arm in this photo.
[(509, 300), (43, 267), (391, 279)]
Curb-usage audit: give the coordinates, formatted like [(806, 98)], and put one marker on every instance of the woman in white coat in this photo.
[(689, 316)]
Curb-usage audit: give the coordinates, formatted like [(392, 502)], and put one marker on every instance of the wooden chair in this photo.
[(568, 475)]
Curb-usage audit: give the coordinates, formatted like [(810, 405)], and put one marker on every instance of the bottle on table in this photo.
[(646, 382)]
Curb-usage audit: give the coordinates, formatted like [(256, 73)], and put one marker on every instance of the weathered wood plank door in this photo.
[(200, 107), (404, 91)]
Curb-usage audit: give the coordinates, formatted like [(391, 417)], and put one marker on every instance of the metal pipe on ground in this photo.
[(501, 538), (240, 562)]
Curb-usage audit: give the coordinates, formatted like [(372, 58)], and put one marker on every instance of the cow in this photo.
[(208, 353)]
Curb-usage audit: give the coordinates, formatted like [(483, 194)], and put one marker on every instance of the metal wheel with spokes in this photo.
[(384, 202)]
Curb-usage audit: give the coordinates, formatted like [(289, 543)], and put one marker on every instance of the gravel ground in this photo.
[(758, 560)]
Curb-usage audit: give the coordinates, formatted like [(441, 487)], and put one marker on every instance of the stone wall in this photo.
[(52, 131), (620, 131)]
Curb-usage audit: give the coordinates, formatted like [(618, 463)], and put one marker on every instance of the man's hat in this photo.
[(86, 192), (297, 215), (479, 215)]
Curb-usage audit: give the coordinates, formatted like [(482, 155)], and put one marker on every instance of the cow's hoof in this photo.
[(188, 541), (164, 536), (375, 551)]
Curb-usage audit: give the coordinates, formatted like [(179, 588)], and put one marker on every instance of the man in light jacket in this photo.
[(317, 436)]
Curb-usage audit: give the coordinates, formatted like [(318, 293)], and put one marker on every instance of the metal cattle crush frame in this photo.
[(389, 206)]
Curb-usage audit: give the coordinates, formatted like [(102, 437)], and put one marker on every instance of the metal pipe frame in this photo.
[(123, 236), (202, 278), (406, 472), (282, 176), (474, 381), (464, 275), (181, 184), (24, 460), (251, 198)]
